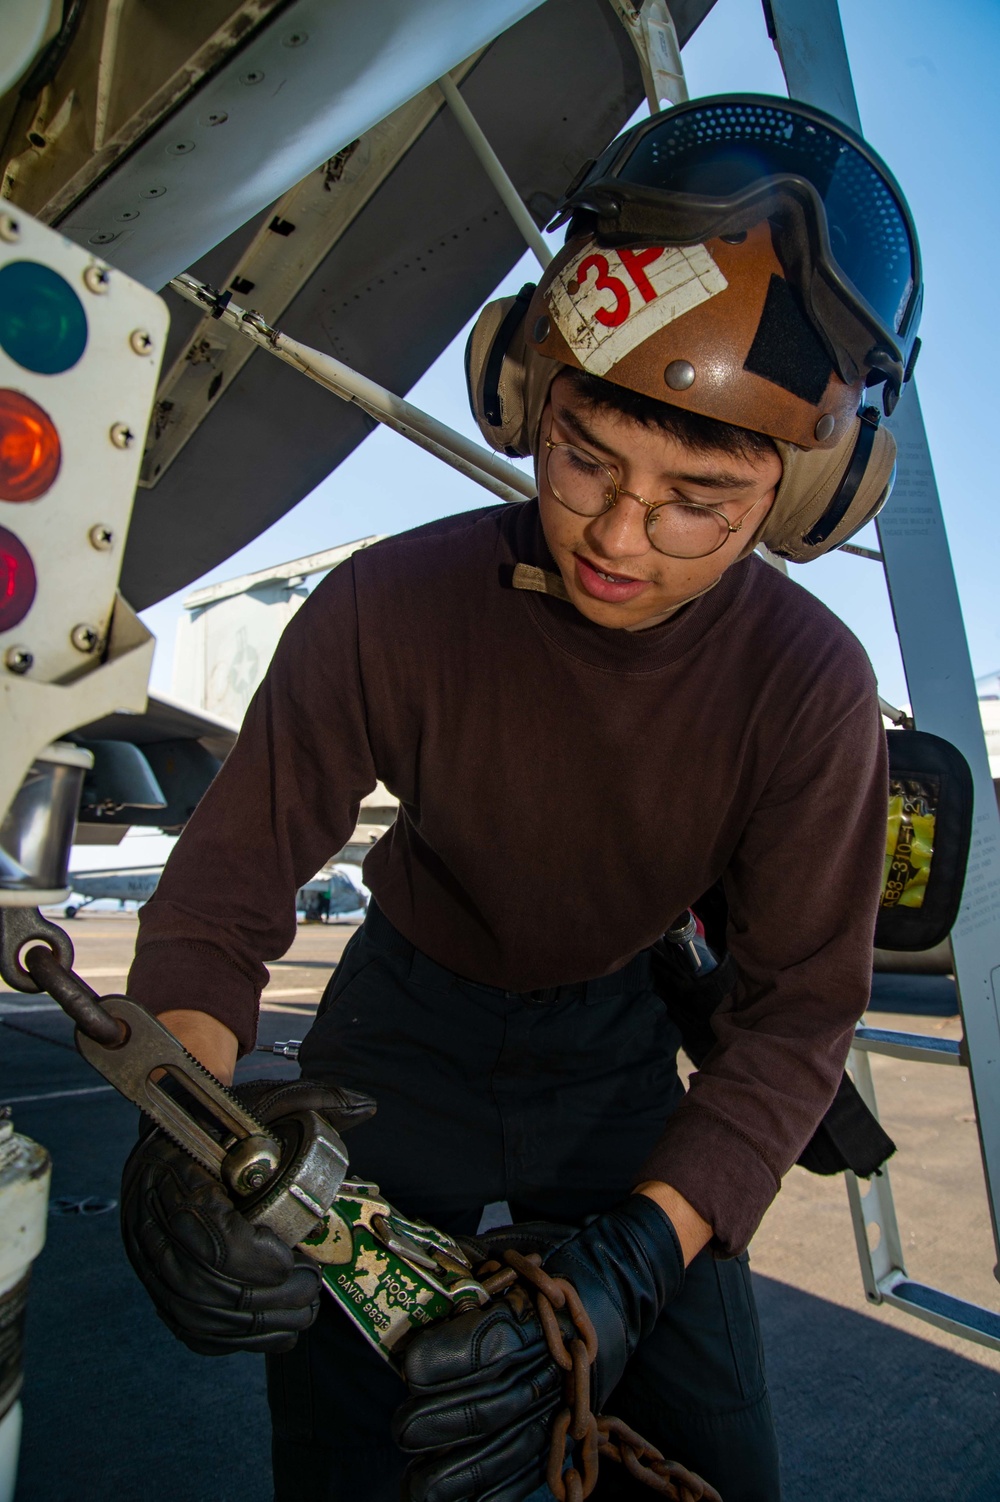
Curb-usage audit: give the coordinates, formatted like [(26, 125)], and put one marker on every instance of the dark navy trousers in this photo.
[(549, 1101)]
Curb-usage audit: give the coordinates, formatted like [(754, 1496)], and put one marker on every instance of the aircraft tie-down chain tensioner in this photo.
[(392, 1275)]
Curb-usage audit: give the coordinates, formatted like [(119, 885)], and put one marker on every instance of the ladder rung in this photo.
[(908, 1045), (945, 1310)]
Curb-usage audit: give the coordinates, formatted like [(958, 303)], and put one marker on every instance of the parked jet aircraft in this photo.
[(130, 884), (330, 892)]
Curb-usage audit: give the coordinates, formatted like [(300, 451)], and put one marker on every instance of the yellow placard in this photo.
[(909, 846)]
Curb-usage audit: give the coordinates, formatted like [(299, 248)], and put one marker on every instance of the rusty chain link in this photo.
[(595, 1435), (48, 966)]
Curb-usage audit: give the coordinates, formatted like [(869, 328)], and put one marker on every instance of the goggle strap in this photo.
[(492, 409), (853, 476)]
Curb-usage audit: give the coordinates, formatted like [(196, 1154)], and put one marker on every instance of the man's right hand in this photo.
[(484, 1386), (219, 1283)]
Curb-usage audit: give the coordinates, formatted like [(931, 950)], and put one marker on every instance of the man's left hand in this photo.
[(219, 1283), (484, 1387)]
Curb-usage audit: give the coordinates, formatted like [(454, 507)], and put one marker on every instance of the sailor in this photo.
[(594, 708)]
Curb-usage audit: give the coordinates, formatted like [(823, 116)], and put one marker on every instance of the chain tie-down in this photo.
[(576, 1424)]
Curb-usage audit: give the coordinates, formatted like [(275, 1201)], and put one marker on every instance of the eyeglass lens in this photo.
[(585, 486)]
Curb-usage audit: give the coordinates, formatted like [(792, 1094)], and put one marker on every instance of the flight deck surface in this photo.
[(868, 1402)]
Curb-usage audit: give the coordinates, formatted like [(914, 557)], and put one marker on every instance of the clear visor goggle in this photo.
[(841, 225)]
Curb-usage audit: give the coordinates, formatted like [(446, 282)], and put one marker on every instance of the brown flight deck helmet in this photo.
[(744, 258)]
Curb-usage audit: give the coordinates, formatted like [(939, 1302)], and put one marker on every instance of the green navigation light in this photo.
[(42, 323)]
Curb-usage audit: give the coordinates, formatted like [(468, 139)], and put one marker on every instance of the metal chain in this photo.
[(76, 998), (595, 1435), (48, 966)]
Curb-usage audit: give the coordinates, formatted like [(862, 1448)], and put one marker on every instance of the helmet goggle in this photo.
[(841, 226)]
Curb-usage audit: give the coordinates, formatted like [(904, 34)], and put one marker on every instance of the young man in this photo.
[(593, 708)]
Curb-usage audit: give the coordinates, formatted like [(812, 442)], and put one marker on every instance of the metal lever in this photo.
[(392, 1275), (286, 1179), (144, 1047)]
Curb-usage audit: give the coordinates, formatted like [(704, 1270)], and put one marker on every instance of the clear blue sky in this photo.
[(925, 76)]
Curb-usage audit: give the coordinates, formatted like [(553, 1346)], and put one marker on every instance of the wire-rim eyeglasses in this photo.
[(687, 529)]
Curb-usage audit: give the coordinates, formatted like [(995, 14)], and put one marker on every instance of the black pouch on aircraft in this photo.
[(927, 840), (848, 1137)]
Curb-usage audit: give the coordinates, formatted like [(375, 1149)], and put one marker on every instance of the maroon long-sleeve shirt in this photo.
[(565, 790)]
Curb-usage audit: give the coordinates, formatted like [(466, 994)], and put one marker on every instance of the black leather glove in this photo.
[(538, 1236), (484, 1389), (219, 1283)]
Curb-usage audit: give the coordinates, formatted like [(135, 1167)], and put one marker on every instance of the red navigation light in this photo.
[(30, 452), (17, 580)]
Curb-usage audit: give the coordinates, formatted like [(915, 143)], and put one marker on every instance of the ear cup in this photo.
[(826, 495), (508, 381), (846, 494), (494, 372)]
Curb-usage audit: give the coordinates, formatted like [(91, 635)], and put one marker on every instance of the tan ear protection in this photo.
[(825, 494), (501, 379)]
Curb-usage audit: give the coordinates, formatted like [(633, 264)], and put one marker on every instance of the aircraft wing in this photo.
[(166, 719), (301, 156)]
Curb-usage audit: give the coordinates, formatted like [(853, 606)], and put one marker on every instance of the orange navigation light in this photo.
[(30, 452), (17, 580)]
